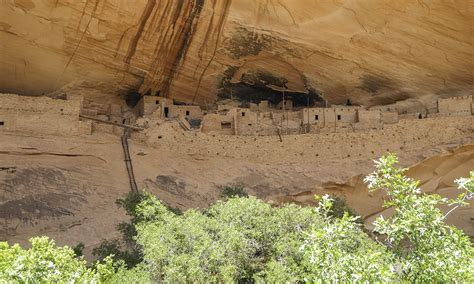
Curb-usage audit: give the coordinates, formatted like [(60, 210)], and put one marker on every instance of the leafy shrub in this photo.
[(426, 249), (114, 249), (232, 190), (231, 241), (127, 250), (243, 239), (44, 262), (137, 274), (246, 239), (341, 252), (339, 208), (78, 249)]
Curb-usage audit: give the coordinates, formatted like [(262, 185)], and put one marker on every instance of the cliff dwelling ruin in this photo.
[(76, 115)]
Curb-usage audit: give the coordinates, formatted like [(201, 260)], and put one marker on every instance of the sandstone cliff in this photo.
[(371, 51)]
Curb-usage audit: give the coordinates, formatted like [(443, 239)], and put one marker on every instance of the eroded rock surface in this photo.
[(371, 51), (66, 187)]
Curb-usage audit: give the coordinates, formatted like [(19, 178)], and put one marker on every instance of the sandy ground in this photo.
[(66, 187)]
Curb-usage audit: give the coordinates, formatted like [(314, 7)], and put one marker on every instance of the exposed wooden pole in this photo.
[(111, 123)]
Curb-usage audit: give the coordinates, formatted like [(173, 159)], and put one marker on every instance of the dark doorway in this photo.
[(167, 110), (226, 125)]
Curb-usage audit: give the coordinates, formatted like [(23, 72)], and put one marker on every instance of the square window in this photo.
[(2, 123)]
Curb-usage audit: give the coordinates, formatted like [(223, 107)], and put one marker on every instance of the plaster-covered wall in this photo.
[(455, 106), (41, 115)]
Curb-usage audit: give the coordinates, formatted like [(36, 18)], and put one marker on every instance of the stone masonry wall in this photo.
[(41, 115), (455, 106), (399, 137)]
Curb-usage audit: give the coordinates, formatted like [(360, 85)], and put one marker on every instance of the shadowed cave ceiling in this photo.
[(369, 51)]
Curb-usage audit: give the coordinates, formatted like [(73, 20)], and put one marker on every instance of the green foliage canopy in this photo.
[(233, 240), (47, 263), (243, 239), (426, 248)]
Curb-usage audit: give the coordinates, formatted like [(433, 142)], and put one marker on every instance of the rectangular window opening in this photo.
[(187, 112), (338, 117), (226, 125), (316, 117), (243, 113), (2, 123), (157, 102)]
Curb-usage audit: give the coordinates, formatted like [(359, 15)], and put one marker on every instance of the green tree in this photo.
[(78, 249), (231, 241), (243, 239), (426, 248), (341, 252), (47, 263), (127, 249), (232, 190), (339, 208)]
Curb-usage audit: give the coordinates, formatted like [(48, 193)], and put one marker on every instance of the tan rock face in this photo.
[(371, 51)]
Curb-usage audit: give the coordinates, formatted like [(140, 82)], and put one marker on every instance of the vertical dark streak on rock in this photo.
[(150, 5), (177, 12), (169, 42), (165, 44), (173, 45), (119, 44), (159, 27), (83, 34), (165, 11), (183, 41), (220, 28), (148, 34), (82, 15), (158, 63), (206, 38)]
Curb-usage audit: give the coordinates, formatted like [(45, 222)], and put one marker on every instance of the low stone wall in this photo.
[(344, 143), (455, 106), (41, 115)]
